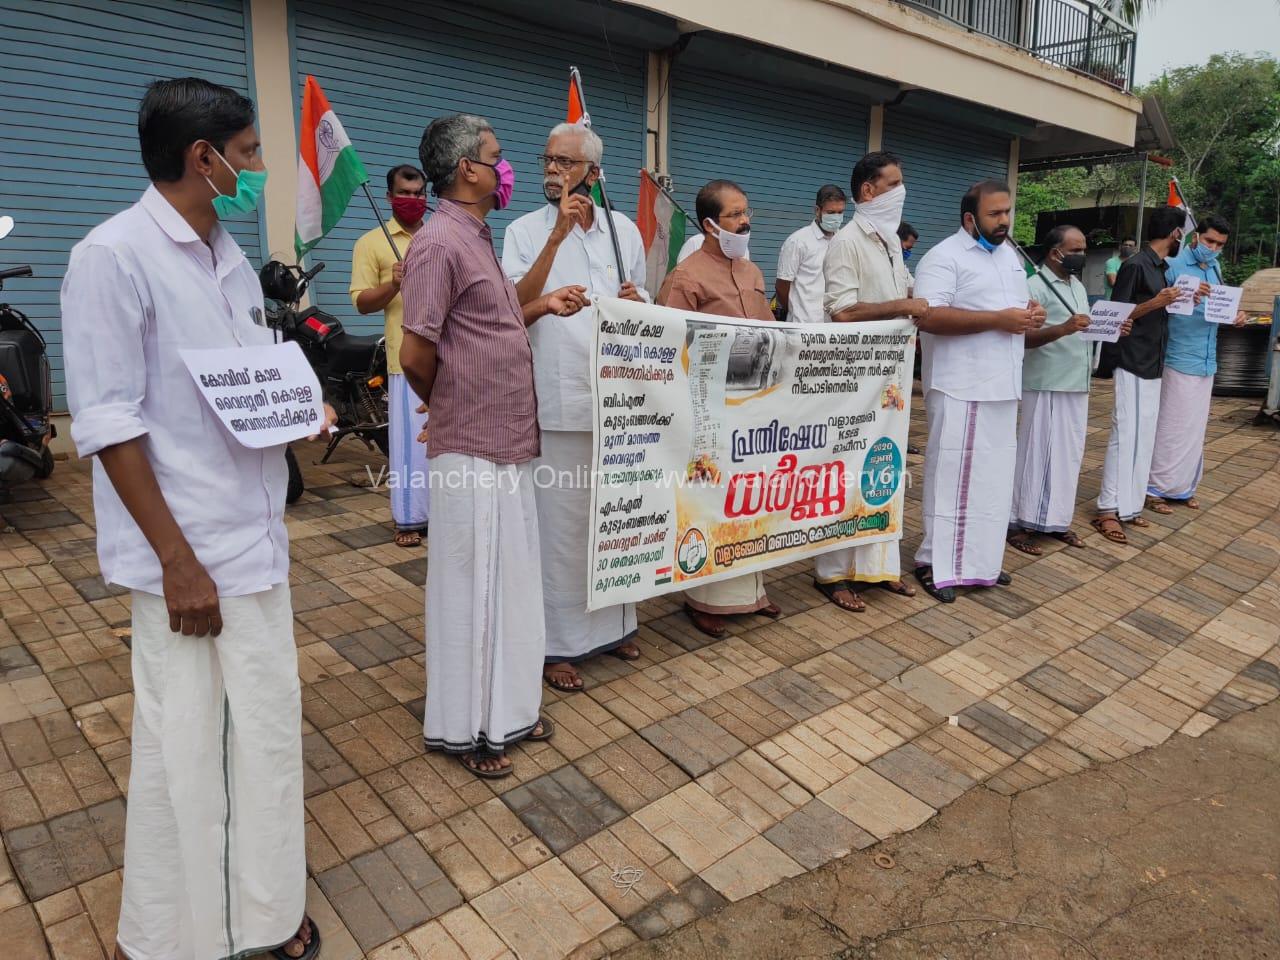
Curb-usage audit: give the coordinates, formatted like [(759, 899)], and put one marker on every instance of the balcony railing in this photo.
[(1081, 35)]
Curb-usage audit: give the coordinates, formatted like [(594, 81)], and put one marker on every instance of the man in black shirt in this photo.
[(1139, 363)]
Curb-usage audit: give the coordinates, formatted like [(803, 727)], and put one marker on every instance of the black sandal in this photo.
[(309, 952), (565, 687), (472, 762), (829, 591), (1021, 540), (941, 594)]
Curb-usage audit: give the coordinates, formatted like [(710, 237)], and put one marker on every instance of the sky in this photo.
[(1178, 33)]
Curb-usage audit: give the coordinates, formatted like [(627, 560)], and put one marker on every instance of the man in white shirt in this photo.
[(865, 278), (193, 523), (972, 345), (569, 242), (799, 284), (690, 245)]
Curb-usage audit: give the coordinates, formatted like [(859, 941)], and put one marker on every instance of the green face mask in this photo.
[(249, 185)]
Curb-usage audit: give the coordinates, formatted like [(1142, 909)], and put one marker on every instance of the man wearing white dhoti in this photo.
[(720, 278), (1055, 399), (1190, 361), (376, 275), (971, 371), (193, 523), (568, 241), (466, 351), (865, 278), (1138, 361)]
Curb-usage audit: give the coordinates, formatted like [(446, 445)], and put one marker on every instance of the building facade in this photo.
[(780, 95)]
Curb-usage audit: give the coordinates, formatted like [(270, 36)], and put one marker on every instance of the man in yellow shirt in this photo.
[(376, 273)]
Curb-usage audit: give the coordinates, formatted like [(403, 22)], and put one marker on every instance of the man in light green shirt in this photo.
[(1055, 399), (1127, 250)]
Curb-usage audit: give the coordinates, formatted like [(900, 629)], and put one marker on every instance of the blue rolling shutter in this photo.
[(75, 71), (939, 163), (387, 75), (780, 145)]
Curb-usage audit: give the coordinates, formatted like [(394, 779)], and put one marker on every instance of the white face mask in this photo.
[(830, 222), (732, 245), (885, 211)]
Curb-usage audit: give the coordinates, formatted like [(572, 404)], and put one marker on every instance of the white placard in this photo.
[(1185, 305), (1222, 304), (1106, 317), (264, 396)]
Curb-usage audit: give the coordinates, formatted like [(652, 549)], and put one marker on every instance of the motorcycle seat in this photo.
[(348, 353)]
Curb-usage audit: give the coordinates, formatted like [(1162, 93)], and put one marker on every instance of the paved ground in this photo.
[(703, 774)]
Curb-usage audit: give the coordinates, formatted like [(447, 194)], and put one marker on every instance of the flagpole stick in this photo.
[(382, 223), (1071, 311), (613, 230)]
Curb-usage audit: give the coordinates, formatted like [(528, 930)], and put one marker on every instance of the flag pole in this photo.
[(382, 223), (1071, 311), (576, 79)]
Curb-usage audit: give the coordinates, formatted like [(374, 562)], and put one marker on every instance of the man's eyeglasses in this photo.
[(563, 164), (738, 214)]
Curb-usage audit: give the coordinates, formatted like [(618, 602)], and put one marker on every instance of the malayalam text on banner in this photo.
[(724, 447)]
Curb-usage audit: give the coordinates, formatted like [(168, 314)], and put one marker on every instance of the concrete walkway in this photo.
[(701, 775)]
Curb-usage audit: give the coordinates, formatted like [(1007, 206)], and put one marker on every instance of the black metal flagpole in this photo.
[(1071, 311), (576, 78), (382, 223)]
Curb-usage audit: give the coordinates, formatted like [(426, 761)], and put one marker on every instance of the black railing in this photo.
[(1080, 35)]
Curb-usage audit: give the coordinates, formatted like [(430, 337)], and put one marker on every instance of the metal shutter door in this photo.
[(939, 163), (780, 145), (387, 77), (74, 73)]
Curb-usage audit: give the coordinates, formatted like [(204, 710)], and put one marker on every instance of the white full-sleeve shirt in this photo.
[(959, 273), (562, 345), (139, 288)]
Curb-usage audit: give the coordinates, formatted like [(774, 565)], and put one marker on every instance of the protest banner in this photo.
[(264, 396), (1185, 305), (1222, 304), (1106, 317), (722, 447)]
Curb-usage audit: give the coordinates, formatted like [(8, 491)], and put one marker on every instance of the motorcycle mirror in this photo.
[(6, 226)]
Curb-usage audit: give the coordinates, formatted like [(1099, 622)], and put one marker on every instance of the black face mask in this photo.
[(1126, 253), (1073, 263)]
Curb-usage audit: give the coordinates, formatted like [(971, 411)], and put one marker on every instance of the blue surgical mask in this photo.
[(985, 244), (1203, 254), (249, 186), (906, 255)]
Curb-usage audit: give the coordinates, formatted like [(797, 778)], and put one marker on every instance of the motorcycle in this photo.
[(352, 369), (26, 395)]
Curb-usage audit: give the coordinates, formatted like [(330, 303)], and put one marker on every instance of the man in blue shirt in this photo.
[(1191, 358)]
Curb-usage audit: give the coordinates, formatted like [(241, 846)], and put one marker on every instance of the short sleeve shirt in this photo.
[(711, 283), (800, 263), (483, 401)]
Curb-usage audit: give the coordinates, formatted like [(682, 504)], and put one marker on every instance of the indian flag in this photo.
[(329, 171), (1176, 199), (577, 113), (662, 227)]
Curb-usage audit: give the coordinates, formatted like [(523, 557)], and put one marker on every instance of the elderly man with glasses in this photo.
[(569, 242)]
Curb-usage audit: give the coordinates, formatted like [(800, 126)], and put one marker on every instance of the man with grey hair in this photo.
[(466, 352), (569, 241)]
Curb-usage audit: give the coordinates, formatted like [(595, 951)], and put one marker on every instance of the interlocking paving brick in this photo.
[(458, 935), (388, 891), (546, 913), (1063, 687), (582, 725), (964, 752), (377, 740), (693, 741), (631, 772), (381, 644), (67, 850), (936, 692), (922, 775), (754, 789), (875, 804), (794, 694), (816, 833), (692, 899), (754, 866), (1000, 729), (695, 826), (322, 766), (483, 847), (358, 538), (627, 868), (563, 808), (331, 702)]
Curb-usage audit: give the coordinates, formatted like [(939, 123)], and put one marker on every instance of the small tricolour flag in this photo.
[(329, 170), (662, 575), (662, 228), (1176, 199)]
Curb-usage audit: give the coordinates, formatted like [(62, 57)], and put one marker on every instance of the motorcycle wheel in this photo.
[(46, 464), (296, 485)]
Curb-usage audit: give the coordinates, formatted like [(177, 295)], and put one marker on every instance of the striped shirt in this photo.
[(483, 402)]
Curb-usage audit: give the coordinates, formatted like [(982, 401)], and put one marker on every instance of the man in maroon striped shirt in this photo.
[(466, 350)]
